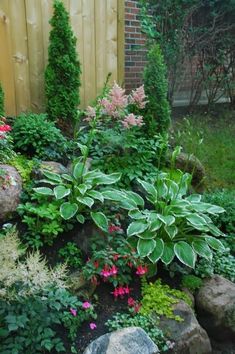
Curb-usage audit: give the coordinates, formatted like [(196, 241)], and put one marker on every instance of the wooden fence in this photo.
[(24, 33)]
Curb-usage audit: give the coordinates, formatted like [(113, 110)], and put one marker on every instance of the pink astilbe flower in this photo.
[(118, 97), (92, 326), (138, 97), (90, 113), (73, 312), (108, 107), (132, 120), (86, 305), (141, 270)]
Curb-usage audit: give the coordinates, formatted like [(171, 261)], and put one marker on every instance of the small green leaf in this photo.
[(202, 248), (83, 148), (171, 230), (149, 188), (53, 176), (185, 253), (158, 251), (80, 218), (82, 188), (68, 210), (100, 220), (96, 195), (86, 201), (136, 227), (67, 177), (167, 219), (136, 214), (44, 191), (196, 220), (214, 243), (145, 247), (61, 191), (135, 197), (168, 253), (78, 170)]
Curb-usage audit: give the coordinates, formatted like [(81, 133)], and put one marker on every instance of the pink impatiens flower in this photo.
[(132, 120), (92, 326), (86, 305), (73, 312), (138, 97)]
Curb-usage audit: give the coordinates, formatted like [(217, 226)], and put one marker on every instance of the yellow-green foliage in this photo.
[(23, 166), (160, 299)]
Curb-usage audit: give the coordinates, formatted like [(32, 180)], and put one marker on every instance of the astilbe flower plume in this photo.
[(115, 101), (131, 120), (138, 97), (90, 113)]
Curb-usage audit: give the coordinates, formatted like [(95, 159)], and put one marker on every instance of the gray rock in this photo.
[(10, 191), (189, 337), (51, 166), (131, 340), (215, 301)]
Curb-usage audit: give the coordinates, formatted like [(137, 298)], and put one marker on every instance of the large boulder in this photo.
[(10, 190), (215, 301), (131, 340), (189, 337), (51, 166)]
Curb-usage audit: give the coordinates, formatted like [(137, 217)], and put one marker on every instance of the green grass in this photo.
[(212, 140)]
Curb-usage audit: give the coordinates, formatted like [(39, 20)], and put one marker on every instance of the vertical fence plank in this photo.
[(47, 12), (6, 62), (36, 53), (20, 54), (121, 41), (100, 43), (89, 65), (77, 24), (111, 38)]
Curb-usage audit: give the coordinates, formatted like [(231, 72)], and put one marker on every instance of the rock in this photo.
[(131, 340), (10, 190), (215, 301), (51, 166), (189, 337)]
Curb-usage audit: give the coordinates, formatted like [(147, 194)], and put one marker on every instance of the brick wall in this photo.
[(135, 51)]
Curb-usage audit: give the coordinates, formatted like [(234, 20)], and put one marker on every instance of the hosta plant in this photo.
[(79, 192), (170, 223)]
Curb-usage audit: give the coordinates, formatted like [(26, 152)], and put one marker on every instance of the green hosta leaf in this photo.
[(214, 243), (149, 188), (114, 194), (68, 210), (172, 189), (67, 177), (202, 248), (136, 227), (171, 230), (83, 188), (162, 190), (158, 251), (185, 253), (167, 219), (194, 198), (78, 170), (100, 220), (135, 197), (168, 253), (61, 191), (80, 218), (107, 179), (184, 184), (145, 247), (214, 230), (155, 225), (86, 201), (83, 148), (196, 220), (214, 209), (136, 214), (147, 235), (96, 195), (53, 176), (44, 191)]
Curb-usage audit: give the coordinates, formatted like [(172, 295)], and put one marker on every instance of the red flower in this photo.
[(141, 270), (131, 301), (114, 228), (96, 264), (115, 257), (120, 291), (5, 128), (113, 270)]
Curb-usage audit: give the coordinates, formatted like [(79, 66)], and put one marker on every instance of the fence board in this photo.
[(24, 38)]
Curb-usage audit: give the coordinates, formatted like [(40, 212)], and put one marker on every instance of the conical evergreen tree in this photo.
[(2, 111), (62, 76), (158, 115)]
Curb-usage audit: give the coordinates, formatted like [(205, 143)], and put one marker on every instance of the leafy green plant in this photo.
[(223, 263), (191, 282), (157, 117), (147, 323), (226, 221), (43, 220), (2, 111), (37, 137), (160, 299), (172, 224), (23, 166), (72, 255), (6, 142), (62, 76)]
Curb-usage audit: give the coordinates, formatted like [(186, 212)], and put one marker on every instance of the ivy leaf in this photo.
[(185, 253)]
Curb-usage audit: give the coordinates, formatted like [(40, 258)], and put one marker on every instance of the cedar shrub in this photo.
[(62, 76)]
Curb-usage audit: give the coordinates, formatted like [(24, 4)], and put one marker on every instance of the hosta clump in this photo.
[(170, 223), (78, 192)]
